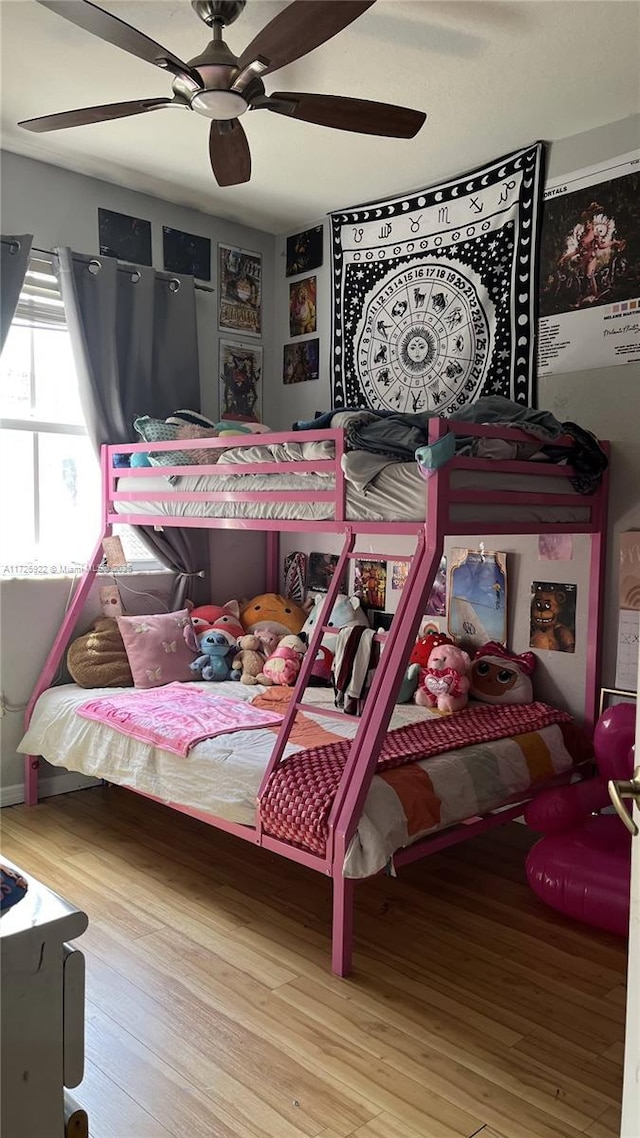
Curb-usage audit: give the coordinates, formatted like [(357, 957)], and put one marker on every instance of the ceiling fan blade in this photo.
[(114, 30), (360, 115), (93, 114), (229, 153), (303, 26)]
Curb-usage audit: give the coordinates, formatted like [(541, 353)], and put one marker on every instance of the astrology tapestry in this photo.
[(435, 293)]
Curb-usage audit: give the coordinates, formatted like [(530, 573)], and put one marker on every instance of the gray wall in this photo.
[(605, 401)]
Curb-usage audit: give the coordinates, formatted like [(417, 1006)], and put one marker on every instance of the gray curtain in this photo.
[(134, 338), (14, 260)]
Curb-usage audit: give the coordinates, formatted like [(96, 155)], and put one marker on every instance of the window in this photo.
[(49, 473)]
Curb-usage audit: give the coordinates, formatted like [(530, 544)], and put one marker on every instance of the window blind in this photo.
[(40, 302)]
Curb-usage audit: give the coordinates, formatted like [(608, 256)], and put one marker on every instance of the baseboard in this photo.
[(54, 784)]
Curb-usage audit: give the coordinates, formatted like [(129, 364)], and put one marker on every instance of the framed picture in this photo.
[(240, 371), (301, 361), (240, 287), (124, 237), (186, 253), (302, 307), (304, 251), (610, 697)]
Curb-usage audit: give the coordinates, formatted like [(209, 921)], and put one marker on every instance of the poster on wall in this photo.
[(590, 268), (240, 371), (553, 616), (302, 307), (301, 362), (304, 251), (322, 566), (127, 238), (434, 293), (370, 583), (186, 253), (477, 593), (240, 284)]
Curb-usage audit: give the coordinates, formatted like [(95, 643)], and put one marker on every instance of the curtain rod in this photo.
[(124, 266)]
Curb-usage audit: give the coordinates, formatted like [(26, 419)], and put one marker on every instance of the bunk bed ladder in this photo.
[(374, 722)]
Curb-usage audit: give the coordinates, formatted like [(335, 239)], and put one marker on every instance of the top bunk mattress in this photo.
[(396, 494)]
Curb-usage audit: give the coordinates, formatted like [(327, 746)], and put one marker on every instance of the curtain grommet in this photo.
[(14, 247), (94, 267), (135, 276), (174, 284)]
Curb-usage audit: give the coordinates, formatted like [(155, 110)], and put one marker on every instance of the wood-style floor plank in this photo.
[(212, 1010)]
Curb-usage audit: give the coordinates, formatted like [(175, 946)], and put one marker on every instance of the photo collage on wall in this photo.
[(240, 313), (301, 361)]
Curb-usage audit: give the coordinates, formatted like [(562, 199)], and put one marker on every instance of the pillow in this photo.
[(99, 658), (156, 648), (162, 431)]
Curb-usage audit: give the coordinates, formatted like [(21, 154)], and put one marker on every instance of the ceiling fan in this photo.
[(222, 86)]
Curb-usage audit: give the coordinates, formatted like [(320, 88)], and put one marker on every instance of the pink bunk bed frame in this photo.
[(441, 497)]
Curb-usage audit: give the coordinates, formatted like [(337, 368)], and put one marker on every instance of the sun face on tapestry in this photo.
[(424, 336), (434, 297)]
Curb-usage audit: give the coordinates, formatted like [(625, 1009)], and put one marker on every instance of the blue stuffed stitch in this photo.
[(216, 650)]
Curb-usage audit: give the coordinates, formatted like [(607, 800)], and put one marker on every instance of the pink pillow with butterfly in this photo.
[(156, 648)]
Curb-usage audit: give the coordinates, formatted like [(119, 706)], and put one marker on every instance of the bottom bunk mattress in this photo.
[(221, 776)]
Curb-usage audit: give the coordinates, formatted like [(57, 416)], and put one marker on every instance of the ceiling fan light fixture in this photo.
[(219, 104)]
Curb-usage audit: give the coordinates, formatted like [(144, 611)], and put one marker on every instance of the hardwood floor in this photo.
[(212, 1011)]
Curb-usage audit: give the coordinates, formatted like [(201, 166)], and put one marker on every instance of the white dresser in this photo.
[(42, 1014)]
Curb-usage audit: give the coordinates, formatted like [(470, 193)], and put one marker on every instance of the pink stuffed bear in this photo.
[(283, 665), (445, 683)]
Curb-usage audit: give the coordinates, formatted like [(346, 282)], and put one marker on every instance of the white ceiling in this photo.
[(492, 76)]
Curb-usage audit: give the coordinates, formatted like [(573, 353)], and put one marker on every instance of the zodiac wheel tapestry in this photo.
[(435, 294)]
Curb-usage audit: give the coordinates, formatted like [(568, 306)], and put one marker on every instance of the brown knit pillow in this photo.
[(99, 658)]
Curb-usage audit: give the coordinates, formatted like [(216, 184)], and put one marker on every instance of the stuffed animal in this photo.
[(274, 610), (215, 648), (269, 637), (346, 610), (418, 662), (249, 661), (226, 618), (99, 658), (283, 666), (499, 676), (445, 684)]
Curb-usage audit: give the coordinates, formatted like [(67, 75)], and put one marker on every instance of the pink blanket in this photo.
[(175, 717)]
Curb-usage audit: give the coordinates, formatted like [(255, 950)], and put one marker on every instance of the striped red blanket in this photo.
[(300, 792)]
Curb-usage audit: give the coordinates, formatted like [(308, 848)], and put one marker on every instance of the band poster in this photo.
[(590, 268), (240, 283)]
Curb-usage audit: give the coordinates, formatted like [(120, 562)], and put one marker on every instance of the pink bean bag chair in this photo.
[(582, 867)]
